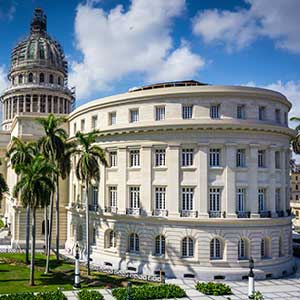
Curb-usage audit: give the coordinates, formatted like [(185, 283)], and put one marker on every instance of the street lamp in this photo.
[(251, 288), (77, 268), (129, 285)]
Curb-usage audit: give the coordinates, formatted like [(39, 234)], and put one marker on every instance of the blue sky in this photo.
[(114, 45)]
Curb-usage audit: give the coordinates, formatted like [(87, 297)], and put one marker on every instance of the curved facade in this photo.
[(198, 182)]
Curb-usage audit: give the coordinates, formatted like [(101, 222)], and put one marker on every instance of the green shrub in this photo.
[(18, 296), (257, 295), (56, 295), (89, 295), (1, 224), (213, 288), (147, 292)]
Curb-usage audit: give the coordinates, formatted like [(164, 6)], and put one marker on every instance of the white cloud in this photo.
[(119, 43), (7, 10), (276, 19), (3, 84)]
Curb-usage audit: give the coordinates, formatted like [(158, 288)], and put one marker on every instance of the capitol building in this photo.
[(198, 175)]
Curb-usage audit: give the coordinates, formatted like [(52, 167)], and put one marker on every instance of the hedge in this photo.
[(213, 288), (89, 295), (56, 295), (147, 292)]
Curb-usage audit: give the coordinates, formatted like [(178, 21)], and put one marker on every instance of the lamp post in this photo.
[(251, 288), (129, 285), (77, 269)]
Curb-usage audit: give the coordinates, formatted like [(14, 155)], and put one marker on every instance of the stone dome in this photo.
[(38, 49)]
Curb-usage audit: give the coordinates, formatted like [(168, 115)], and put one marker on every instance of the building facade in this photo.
[(295, 195), (198, 176)]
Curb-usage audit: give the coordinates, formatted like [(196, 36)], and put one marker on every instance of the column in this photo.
[(122, 180), (4, 110), (146, 189), (39, 104), (202, 172), (230, 188), (18, 103), (252, 199), (284, 180), (31, 103), (173, 176), (10, 108), (24, 104), (46, 104), (271, 203), (52, 104)]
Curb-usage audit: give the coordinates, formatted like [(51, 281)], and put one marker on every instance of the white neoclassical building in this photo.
[(198, 176)]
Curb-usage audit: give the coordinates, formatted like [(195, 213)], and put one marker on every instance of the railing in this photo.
[(189, 213), (111, 209), (243, 214), (133, 211), (93, 207), (214, 214), (160, 212), (280, 213), (265, 214)]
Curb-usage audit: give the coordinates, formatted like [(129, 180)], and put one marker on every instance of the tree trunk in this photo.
[(46, 228), (27, 235), (87, 227), (50, 233), (33, 222), (57, 218)]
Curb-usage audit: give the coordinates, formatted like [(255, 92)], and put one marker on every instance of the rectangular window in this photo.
[(187, 195), (134, 158), (187, 157), (261, 158), (261, 199), (277, 160), (113, 159), (134, 115), (160, 113), (134, 197), (241, 158), (214, 157), (94, 122), (95, 195), (112, 118), (187, 111), (277, 115), (74, 128), (240, 112), (160, 157), (214, 199), (277, 199), (113, 193), (262, 113), (241, 197), (215, 111), (160, 198), (82, 125)]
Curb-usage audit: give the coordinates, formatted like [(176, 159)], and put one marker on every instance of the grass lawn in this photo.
[(14, 276)]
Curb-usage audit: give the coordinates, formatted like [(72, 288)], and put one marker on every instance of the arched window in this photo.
[(51, 80), (30, 77), (187, 247), (42, 77), (134, 243), (59, 80), (160, 245), (215, 249), (243, 249), (20, 79), (280, 247), (265, 248)]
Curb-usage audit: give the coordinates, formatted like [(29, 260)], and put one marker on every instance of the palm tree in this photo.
[(34, 189), (87, 170), (53, 147), (21, 152), (296, 139)]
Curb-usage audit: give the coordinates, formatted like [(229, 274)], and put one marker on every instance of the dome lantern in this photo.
[(39, 22)]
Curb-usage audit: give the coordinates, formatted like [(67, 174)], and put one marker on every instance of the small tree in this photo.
[(296, 139)]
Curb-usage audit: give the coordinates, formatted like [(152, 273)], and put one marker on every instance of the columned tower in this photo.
[(38, 76)]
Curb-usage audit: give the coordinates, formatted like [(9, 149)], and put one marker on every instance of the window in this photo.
[(74, 128), (113, 159), (296, 177), (261, 199), (113, 194), (51, 80), (187, 111), (297, 187), (214, 157), (160, 245), (263, 248), (94, 234), (134, 158), (215, 111), (277, 160), (30, 77), (59, 81), (240, 112), (187, 157), (160, 198), (261, 158), (42, 78), (112, 241), (297, 197), (277, 199), (187, 195), (112, 118), (242, 249), (20, 79), (241, 197), (277, 115), (262, 113), (95, 195), (94, 122), (215, 249), (160, 113), (187, 247), (214, 199), (82, 124), (241, 158), (134, 243), (160, 157), (134, 197), (134, 115)]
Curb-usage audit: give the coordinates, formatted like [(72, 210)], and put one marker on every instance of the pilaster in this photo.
[(271, 203), (146, 192), (202, 172), (122, 183), (252, 201)]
